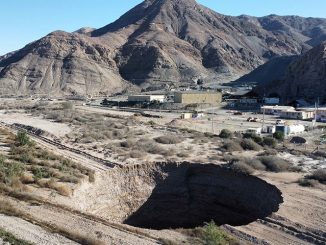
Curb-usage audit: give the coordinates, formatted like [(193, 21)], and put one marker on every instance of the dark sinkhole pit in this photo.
[(188, 195)]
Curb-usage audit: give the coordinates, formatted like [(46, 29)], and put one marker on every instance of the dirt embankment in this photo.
[(185, 195)]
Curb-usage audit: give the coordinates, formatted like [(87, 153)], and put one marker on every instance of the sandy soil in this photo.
[(303, 212), (77, 223), (57, 129), (30, 232)]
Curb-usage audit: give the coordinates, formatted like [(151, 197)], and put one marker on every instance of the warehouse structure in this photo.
[(198, 97)]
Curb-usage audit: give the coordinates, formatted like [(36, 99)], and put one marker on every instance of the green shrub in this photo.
[(270, 142), (10, 170), (11, 239), (250, 145), (226, 134), (213, 235), (279, 136), (22, 138)]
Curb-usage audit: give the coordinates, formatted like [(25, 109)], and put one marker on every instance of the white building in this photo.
[(299, 115), (146, 98), (296, 129), (275, 110)]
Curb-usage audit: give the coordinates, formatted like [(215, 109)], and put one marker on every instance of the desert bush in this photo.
[(275, 164), (183, 154), (69, 179), (226, 134), (214, 235), (63, 190), (8, 238), (249, 144), (136, 154), (67, 105), (128, 143), (254, 137), (241, 167), (305, 182), (319, 175), (168, 139), (320, 154), (255, 164), (270, 142), (279, 136), (22, 138), (9, 170), (232, 146), (268, 152), (149, 146), (27, 178), (40, 173)]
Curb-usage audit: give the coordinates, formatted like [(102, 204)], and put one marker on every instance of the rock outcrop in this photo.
[(158, 42)]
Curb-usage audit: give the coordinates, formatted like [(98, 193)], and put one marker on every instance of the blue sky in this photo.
[(23, 21)]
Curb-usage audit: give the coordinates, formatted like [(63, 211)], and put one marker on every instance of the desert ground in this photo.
[(93, 175)]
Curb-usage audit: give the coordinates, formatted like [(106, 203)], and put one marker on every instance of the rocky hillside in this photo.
[(304, 78), (158, 42)]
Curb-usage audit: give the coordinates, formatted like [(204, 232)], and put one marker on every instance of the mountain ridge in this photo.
[(158, 42)]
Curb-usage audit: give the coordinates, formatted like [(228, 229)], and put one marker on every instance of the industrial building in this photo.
[(198, 97), (146, 98)]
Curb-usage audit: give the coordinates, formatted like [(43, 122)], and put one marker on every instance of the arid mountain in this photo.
[(304, 78), (156, 43), (272, 70), (61, 63)]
